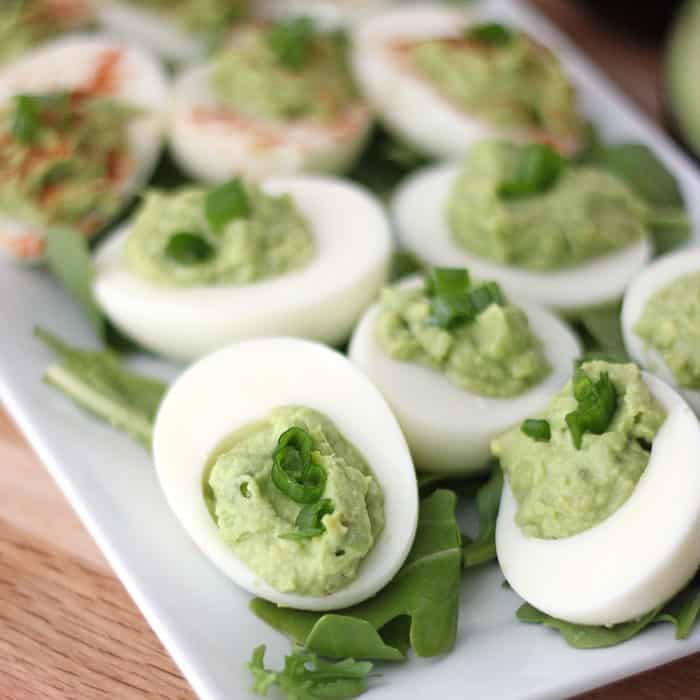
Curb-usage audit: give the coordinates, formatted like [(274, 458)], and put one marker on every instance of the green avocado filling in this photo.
[(26, 23), (478, 340), (295, 501), (580, 469), (232, 234), (286, 72), (64, 158), (197, 16), (581, 214), (512, 81), (670, 324)]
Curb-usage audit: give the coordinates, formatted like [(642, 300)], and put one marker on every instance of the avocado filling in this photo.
[(64, 158), (515, 82), (670, 324), (234, 234), (285, 72), (295, 501), (197, 16), (491, 351), (583, 215), (26, 23), (586, 464)]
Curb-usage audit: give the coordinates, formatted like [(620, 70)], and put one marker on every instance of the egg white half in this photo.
[(449, 429), (151, 30), (320, 301), (407, 104), (419, 210), (653, 279), (243, 383), (636, 559), (211, 142), (67, 64), (330, 14)]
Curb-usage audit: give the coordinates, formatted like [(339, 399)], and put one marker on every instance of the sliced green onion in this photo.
[(293, 471), (537, 168), (443, 281), (187, 248), (491, 34), (308, 523), (292, 41), (537, 429), (225, 204), (597, 403), (484, 295), (27, 121)]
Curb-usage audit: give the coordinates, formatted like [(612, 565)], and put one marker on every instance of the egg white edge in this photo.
[(199, 406)]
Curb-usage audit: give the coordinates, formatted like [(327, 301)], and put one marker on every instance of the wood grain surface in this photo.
[(68, 629)]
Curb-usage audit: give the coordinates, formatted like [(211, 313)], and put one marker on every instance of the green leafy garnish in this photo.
[(99, 383), (683, 610), (604, 326), (27, 121), (292, 41), (426, 591), (484, 295), (491, 34), (537, 168), (482, 549), (403, 264), (68, 257), (225, 204), (294, 472), (186, 248), (308, 523), (597, 403), (306, 677), (536, 429)]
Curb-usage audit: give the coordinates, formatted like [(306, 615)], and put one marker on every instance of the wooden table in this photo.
[(68, 629)]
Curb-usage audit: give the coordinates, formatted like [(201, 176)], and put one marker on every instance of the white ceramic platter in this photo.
[(200, 616)]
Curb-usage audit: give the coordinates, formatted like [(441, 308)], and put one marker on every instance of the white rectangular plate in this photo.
[(200, 616)]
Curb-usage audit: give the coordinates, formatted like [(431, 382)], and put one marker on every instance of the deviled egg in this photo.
[(458, 363), (277, 100), (566, 236), (197, 269), (81, 130), (180, 31), (296, 493), (441, 81), (599, 521), (661, 321), (26, 23), (328, 13)]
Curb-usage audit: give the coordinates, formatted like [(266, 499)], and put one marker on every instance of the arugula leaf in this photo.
[(99, 383), (488, 499), (68, 258), (306, 677), (683, 610), (604, 325), (638, 166), (587, 636), (426, 589)]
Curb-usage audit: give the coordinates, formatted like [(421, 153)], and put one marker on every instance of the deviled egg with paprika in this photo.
[(26, 23), (179, 31), (296, 493), (661, 321), (199, 268), (440, 81), (599, 521), (566, 236), (459, 363), (278, 99), (81, 130)]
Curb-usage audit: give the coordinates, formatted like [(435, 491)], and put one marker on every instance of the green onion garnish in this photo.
[(308, 522), (292, 41), (187, 248), (597, 403), (491, 34), (294, 472), (27, 118), (484, 295), (537, 429), (537, 168), (225, 204)]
